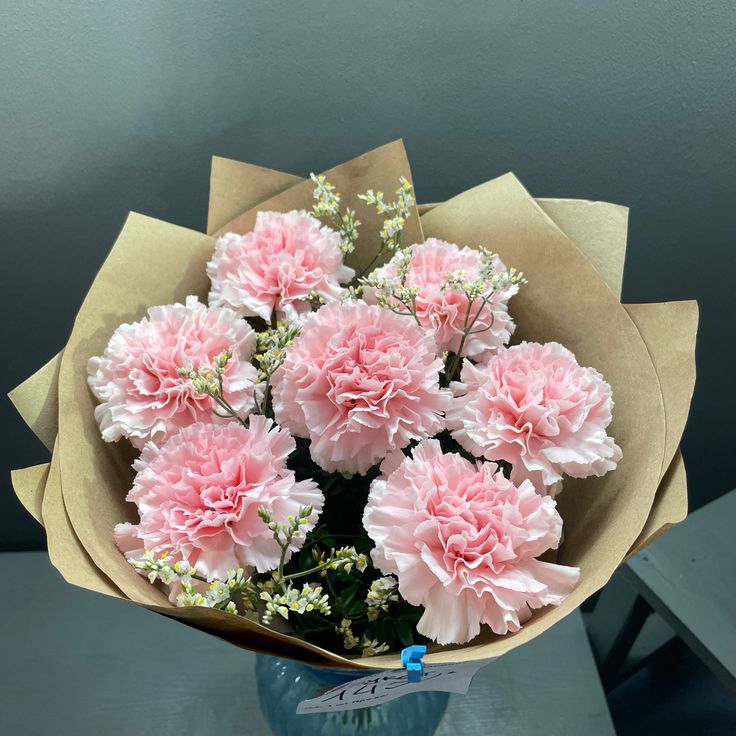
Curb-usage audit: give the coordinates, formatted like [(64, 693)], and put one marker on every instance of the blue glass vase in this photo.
[(282, 684)]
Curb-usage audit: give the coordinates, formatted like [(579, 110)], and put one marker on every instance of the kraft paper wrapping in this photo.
[(96, 476), (669, 507), (29, 484), (599, 229), (65, 551), (668, 331), (237, 187), (37, 401)]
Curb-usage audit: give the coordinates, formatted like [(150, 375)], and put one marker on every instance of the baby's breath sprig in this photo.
[(235, 590), (162, 568), (395, 294), (280, 594), (271, 348), (479, 292), (372, 647), (344, 558), (208, 380), (308, 599), (314, 300), (313, 601), (351, 293), (381, 593), (396, 214), (328, 205), (349, 640), (285, 532)]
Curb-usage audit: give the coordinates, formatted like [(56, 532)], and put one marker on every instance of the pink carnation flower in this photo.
[(198, 496), (359, 382), (535, 407), (143, 397), (286, 257), (462, 541), (444, 310)]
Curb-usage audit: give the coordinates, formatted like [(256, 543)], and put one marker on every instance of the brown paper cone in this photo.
[(96, 476)]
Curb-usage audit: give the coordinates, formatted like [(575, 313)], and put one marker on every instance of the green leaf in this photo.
[(405, 632), (350, 592)]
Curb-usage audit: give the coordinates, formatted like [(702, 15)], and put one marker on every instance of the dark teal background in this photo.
[(107, 107)]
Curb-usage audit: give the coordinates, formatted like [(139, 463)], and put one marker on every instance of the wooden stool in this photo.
[(687, 577)]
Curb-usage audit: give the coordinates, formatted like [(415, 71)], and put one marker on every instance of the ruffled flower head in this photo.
[(462, 541), (285, 258), (445, 310), (142, 396), (359, 382), (536, 407), (199, 493)]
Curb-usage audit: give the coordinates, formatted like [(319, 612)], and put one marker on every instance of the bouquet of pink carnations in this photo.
[(342, 425)]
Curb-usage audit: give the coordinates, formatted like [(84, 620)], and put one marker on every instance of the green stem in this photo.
[(484, 299), (310, 571), (330, 588), (412, 309), (467, 330), (282, 558), (328, 625), (266, 404), (408, 313), (457, 357), (229, 409), (375, 258), (484, 329)]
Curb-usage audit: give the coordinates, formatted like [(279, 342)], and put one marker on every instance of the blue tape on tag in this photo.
[(411, 659)]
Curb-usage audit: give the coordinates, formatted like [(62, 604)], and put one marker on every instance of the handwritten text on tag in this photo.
[(390, 684)]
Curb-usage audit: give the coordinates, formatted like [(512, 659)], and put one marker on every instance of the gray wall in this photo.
[(111, 106)]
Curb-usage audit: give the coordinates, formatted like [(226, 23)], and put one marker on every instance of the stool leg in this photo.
[(589, 604), (611, 674)]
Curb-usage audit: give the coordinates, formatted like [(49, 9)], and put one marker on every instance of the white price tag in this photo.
[(390, 684)]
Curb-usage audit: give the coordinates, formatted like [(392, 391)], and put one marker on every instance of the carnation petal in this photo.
[(449, 618), (198, 496), (462, 540), (142, 397), (360, 382), (534, 406), (287, 257)]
